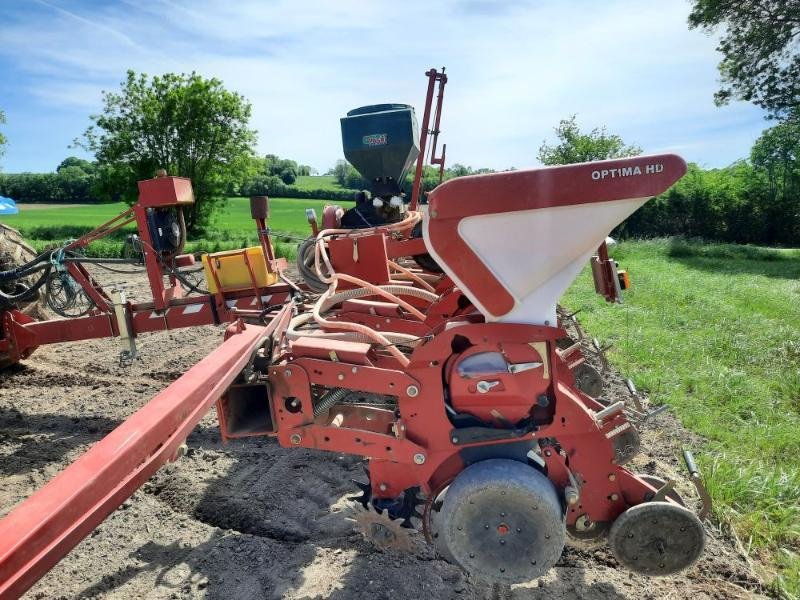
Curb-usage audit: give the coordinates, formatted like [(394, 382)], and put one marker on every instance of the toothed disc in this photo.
[(588, 538), (626, 445), (382, 531), (502, 521), (657, 538), (588, 380)]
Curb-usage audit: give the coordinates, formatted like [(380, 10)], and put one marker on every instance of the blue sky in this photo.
[(515, 69)]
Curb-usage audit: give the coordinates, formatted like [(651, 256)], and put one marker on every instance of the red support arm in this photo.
[(46, 526)]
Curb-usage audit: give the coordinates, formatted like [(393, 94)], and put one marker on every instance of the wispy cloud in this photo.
[(91, 23), (516, 69)]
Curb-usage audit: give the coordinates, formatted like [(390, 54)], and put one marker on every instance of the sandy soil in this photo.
[(254, 520)]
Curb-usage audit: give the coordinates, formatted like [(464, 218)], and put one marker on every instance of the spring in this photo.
[(332, 397)]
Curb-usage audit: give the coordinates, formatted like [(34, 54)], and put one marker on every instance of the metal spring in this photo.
[(329, 399)]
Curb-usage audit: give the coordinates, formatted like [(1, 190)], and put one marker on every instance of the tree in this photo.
[(190, 126), (575, 147), (73, 161), (760, 50), (288, 176), (776, 156), (2, 137)]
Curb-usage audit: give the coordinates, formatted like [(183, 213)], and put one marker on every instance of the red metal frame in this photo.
[(434, 77), (41, 530), (169, 308)]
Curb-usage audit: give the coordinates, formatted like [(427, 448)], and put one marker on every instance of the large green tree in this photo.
[(574, 146), (760, 46), (191, 126), (776, 157)]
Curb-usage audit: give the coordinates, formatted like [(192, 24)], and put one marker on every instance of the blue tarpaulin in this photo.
[(7, 206)]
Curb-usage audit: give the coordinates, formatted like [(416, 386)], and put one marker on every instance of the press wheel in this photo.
[(657, 538), (502, 521)]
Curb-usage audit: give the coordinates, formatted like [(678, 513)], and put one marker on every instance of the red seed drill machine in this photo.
[(449, 373)]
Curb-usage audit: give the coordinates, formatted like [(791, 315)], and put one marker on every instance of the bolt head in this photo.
[(295, 438), (419, 459), (383, 487), (287, 373), (612, 477), (412, 391), (454, 439), (614, 497), (340, 377)]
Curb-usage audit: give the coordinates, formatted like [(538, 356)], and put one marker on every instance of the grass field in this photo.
[(317, 182), (232, 228), (713, 331)]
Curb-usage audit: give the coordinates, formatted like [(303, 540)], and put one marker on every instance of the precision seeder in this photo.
[(449, 372)]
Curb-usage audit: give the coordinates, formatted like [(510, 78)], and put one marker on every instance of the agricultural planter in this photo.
[(454, 382)]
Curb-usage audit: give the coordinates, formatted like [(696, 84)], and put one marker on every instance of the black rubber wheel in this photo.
[(657, 538), (502, 521)]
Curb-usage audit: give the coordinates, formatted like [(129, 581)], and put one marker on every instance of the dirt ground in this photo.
[(254, 520)]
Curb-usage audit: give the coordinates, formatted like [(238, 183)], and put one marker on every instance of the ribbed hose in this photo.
[(335, 396), (395, 290), (305, 264), (293, 332)]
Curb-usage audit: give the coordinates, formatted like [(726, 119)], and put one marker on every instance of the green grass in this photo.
[(317, 182), (713, 330), (231, 228)]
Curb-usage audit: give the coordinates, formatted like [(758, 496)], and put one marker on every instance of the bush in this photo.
[(70, 184)]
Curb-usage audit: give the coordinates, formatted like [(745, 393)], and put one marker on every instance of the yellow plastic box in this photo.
[(232, 271)]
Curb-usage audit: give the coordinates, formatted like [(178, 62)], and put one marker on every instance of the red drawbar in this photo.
[(605, 181)]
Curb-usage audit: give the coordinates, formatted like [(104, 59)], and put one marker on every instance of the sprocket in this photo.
[(386, 522), (382, 531)]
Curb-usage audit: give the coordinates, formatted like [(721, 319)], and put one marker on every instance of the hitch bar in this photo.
[(46, 526)]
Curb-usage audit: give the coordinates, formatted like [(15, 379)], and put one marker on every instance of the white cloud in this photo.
[(515, 68)]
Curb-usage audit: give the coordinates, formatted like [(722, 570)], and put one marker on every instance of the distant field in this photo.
[(713, 331), (317, 182), (232, 227)]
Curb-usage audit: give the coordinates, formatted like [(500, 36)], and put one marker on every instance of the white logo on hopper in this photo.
[(627, 171)]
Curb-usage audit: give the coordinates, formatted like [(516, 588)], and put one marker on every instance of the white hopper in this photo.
[(514, 241)]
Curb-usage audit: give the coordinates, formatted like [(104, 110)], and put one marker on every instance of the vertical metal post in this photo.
[(433, 76)]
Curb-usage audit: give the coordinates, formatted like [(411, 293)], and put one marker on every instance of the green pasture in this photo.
[(713, 331)]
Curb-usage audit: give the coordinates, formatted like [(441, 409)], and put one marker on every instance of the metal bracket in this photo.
[(697, 480), (663, 492), (601, 352), (126, 335)]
